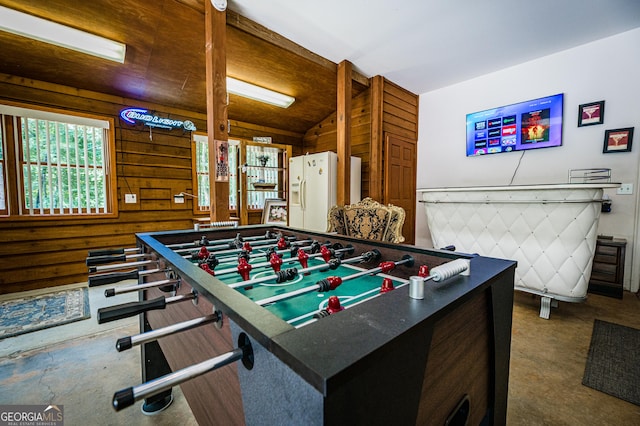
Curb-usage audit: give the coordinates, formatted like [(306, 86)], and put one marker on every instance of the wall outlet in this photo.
[(625, 189), (130, 198)]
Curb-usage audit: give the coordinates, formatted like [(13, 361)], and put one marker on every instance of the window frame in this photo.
[(13, 150), (4, 210), (198, 137)]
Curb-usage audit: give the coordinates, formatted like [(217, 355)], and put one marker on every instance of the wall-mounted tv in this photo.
[(526, 125)]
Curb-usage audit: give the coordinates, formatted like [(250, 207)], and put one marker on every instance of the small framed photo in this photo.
[(222, 161), (591, 113), (275, 212), (618, 140)]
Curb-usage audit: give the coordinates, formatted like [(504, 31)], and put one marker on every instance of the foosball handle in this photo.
[(112, 278), (105, 252), (102, 260), (124, 343), (126, 310), (123, 399)]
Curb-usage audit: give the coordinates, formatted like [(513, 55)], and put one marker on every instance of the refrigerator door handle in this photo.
[(303, 185)]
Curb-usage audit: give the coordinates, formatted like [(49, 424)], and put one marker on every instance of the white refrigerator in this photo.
[(313, 187)]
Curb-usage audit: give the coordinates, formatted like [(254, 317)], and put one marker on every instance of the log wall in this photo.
[(37, 253), (323, 136), (398, 114)]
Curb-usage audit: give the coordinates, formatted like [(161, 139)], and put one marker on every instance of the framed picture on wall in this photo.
[(222, 161), (274, 212), (618, 140), (591, 113)]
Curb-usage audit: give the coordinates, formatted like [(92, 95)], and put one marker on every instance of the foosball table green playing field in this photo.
[(327, 329)]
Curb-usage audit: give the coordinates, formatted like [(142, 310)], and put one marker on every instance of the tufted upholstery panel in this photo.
[(368, 220), (550, 233)]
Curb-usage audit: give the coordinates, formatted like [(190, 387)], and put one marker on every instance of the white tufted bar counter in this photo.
[(550, 230)]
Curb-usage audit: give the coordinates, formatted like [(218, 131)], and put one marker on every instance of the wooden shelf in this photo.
[(607, 272)]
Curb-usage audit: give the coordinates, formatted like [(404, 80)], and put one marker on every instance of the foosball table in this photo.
[(274, 325)]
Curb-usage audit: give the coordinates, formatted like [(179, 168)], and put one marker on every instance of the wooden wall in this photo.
[(393, 110), (153, 165), (400, 111), (156, 165), (247, 131), (323, 136)]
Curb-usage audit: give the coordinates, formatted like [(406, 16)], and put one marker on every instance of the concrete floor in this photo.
[(77, 365), (548, 359)]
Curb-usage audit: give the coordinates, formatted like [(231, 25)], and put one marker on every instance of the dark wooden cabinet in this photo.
[(607, 273)]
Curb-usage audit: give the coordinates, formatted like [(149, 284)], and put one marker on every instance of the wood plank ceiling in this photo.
[(165, 61)]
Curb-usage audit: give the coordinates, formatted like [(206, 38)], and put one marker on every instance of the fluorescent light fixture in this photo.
[(50, 32), (257, 93)]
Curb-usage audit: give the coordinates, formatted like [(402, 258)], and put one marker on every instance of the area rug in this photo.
[(32, 313), (613, 364)]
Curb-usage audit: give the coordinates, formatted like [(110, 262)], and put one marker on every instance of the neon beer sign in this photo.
[(138, 115)]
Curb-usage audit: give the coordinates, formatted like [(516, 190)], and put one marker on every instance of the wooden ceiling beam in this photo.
[(343, 193), (217, 131), (253, 28)]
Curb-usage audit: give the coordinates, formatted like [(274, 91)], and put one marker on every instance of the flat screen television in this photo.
[(526, 125)]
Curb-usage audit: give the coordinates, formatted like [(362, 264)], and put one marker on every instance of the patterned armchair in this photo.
[(368, 220)]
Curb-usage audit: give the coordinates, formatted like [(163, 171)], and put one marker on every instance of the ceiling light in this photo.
[(50, 32), (257, 93)]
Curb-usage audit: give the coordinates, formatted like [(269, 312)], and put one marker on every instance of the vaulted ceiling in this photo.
[(421, 45), (165, 59)]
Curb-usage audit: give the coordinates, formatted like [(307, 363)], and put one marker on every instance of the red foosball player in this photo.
[(387, 285), (303, 258), (333, 306), (282, 243), (423, 271), (244, 268), (275, 261)]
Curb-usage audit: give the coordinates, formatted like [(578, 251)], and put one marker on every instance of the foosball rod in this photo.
[(289, 274), (107, 252), (128, 342), (116, 277), (125, 310), (314, 247), (110, 292), (225, 248), (383, 267), (227, 256), (127, 397), (287, 260), (204, 240), (324, 285), (103, 260), (117, 266), (437, 274)]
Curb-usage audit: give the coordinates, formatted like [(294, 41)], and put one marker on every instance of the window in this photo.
[(201, 173), (262, 170), (62, 164), (3, 200)]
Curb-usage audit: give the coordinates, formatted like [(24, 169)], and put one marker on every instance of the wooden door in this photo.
[(400, 179)]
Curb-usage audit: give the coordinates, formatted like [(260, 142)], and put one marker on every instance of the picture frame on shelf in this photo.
[(591, 114), (618, 140), (275, 212)]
